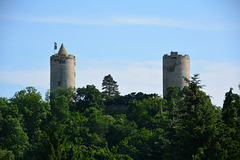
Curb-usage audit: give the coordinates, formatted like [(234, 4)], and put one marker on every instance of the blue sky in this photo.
[(124, 38)]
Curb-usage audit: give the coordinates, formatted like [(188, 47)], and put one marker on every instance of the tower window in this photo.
[(62, 61), (59, 83)]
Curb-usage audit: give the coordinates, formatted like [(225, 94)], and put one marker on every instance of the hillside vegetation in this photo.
[(183, 126)]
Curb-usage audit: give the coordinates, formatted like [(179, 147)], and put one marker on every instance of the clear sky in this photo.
[(124, 38)]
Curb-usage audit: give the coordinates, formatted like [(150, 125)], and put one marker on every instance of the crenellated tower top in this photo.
[(175, 68)]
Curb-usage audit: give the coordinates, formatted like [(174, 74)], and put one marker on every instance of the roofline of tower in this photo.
[(175, 54), (62, 50)]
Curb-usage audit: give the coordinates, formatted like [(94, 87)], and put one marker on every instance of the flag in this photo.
[(55, 46)]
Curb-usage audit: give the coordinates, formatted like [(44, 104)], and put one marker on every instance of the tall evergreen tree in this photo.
[(110, 87), (195, 125), (229, 110), (229, 138)]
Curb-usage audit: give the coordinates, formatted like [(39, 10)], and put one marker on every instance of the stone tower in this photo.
[(175, 67), (62, 70)]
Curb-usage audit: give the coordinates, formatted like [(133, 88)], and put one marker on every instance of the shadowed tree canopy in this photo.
[(69, 125), (89, 96), (110, 87)]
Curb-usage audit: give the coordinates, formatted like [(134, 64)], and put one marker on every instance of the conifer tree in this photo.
[(229, 111), (229, 138), (195, 124), (110, 87)]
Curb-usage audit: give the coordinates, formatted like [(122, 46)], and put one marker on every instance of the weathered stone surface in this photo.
[(175, 67), (62, 70)]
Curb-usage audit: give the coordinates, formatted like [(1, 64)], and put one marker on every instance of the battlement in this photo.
[(175, 55), (69, 56)]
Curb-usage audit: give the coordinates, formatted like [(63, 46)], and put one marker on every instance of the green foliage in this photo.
[(33, 109), (98, 125), (71, 125), (89, 97), (68, 93), (144, 112), (109, 87), (125, 100), (120, 129), (60, 108), (173, 98), (6, 155), (96, 153), (12, 135), (230, 129), (229, 110), (193, 126), (53, 143)]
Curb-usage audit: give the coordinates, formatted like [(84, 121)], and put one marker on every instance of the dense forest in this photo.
[(84, 124)]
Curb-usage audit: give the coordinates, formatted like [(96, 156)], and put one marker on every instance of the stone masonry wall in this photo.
[(62, 72), (175, 67)]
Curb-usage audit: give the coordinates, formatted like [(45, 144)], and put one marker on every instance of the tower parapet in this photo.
[(175, 67), (62, 70)]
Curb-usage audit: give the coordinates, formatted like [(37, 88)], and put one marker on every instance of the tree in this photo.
[(195, 125), (34, 110), (53, 142), (229, 137), (173, 97), (6, 155), (60, 108), (145, 112), (121, 128), (229, 110), (110, 87), (12, 135), (69, 93), (89, 96)]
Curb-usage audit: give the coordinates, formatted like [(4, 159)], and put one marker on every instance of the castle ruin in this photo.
[(175, 67), (62, 70)]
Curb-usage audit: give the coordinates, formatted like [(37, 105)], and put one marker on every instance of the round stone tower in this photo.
[(175, 67), (62, 70)]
